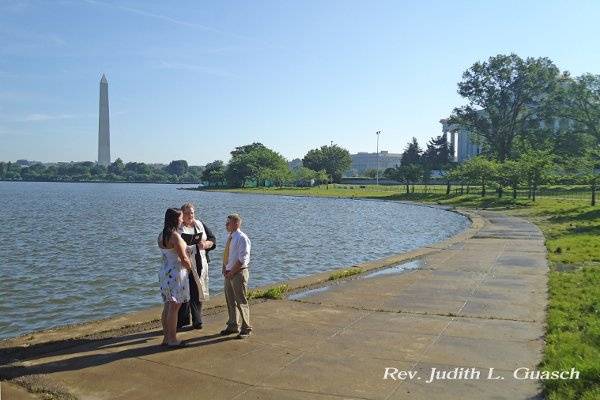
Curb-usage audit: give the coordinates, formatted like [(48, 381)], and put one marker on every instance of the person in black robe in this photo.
[(194, 233)]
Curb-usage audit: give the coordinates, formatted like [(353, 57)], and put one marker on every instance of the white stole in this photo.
[(202, 279)]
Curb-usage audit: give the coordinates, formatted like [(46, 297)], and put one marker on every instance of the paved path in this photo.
[(476, 303)]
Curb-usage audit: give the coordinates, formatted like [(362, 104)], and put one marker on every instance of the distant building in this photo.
[(460, 140), (363, 161)]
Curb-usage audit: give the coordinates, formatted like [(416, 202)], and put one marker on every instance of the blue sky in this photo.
[(191, 80)]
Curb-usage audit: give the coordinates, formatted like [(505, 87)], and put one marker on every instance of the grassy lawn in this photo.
[(572, 231)]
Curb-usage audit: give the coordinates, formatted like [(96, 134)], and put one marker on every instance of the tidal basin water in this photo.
[(74, 252)]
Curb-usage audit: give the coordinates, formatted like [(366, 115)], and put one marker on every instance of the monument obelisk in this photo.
[(103, 125)]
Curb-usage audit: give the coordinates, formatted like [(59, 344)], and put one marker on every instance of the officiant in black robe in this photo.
[(195, 233)]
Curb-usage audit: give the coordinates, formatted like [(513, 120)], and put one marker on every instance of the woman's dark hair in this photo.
[(171, 224)]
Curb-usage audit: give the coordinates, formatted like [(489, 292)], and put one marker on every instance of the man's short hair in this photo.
[(187, 207), (235, 217)]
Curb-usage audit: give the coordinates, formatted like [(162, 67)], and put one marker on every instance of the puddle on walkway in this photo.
[(394, 270), (307, 293)]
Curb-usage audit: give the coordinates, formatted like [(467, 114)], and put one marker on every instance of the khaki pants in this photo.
[(236, 295)]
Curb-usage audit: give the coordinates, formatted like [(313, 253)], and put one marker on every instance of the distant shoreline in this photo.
[(154, 183)]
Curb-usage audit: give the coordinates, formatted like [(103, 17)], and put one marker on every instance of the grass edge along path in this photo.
[(572, 232)]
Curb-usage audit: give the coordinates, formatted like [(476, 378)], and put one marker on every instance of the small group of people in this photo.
[(185, 243)]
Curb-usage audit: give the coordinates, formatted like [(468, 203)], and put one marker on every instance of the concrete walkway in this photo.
[(477, 301)]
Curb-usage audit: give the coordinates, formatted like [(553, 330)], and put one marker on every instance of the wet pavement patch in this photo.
[(396, 269), (386, 271)]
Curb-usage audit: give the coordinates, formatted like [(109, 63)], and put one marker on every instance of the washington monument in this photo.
[(103, 125)]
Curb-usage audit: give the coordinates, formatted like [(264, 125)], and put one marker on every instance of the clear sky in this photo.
[(193, 79)]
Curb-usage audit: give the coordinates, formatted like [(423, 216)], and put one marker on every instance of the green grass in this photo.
[(274, 293), (422, 192), (345, 273), (572, 231), (573, 336)]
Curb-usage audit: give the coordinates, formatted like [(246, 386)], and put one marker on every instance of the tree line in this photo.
[(177, 171), (257, 165)]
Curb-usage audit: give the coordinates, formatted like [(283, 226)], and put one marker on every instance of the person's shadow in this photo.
[(13, 357)]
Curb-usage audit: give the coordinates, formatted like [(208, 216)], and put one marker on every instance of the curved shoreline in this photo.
[(148, 318), (480, 301)]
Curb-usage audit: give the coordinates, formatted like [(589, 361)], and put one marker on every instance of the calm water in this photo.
[(73, 252)]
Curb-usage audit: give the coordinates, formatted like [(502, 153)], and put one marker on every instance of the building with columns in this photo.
[(460, 139)]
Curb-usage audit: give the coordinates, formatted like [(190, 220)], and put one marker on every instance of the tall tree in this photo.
[(578, 100), (214, 173), (334, 159), (251, 162), (438, 153), (506, 96), (412, 153), (177, 167)]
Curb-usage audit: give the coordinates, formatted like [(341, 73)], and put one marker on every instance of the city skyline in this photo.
[(195, 81)]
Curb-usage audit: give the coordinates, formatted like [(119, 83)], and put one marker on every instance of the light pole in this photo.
[(377, 171)]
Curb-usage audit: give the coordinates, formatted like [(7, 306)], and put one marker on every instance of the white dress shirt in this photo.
[(239, 250)]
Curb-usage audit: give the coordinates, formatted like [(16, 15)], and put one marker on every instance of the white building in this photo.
[(363, 161), (460, 140)]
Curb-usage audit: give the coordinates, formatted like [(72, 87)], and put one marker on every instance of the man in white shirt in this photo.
[(236, 257)]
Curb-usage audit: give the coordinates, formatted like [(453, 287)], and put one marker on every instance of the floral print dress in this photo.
[(173, 278)]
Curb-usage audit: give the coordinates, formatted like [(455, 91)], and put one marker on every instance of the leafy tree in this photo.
[(412, 153), (589, 170), (506, 96), (333, 159), (446, 174), (138, 168), (117, 167), (277, 176), (409, 174), (510, 173), (481, 170), (97, 170), (177, 167), (255, 162), (578, 100), (214, 173), (535, 165), (303, 176)]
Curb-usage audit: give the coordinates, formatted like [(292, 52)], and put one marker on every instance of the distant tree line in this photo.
[(250, 165), (177, 171)]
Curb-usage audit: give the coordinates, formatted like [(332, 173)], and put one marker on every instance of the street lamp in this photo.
[(377, 172)]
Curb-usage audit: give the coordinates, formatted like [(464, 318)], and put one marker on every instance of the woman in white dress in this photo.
[(173, 276)]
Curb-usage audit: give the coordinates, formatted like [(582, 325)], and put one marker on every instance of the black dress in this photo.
[(194, 306)]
